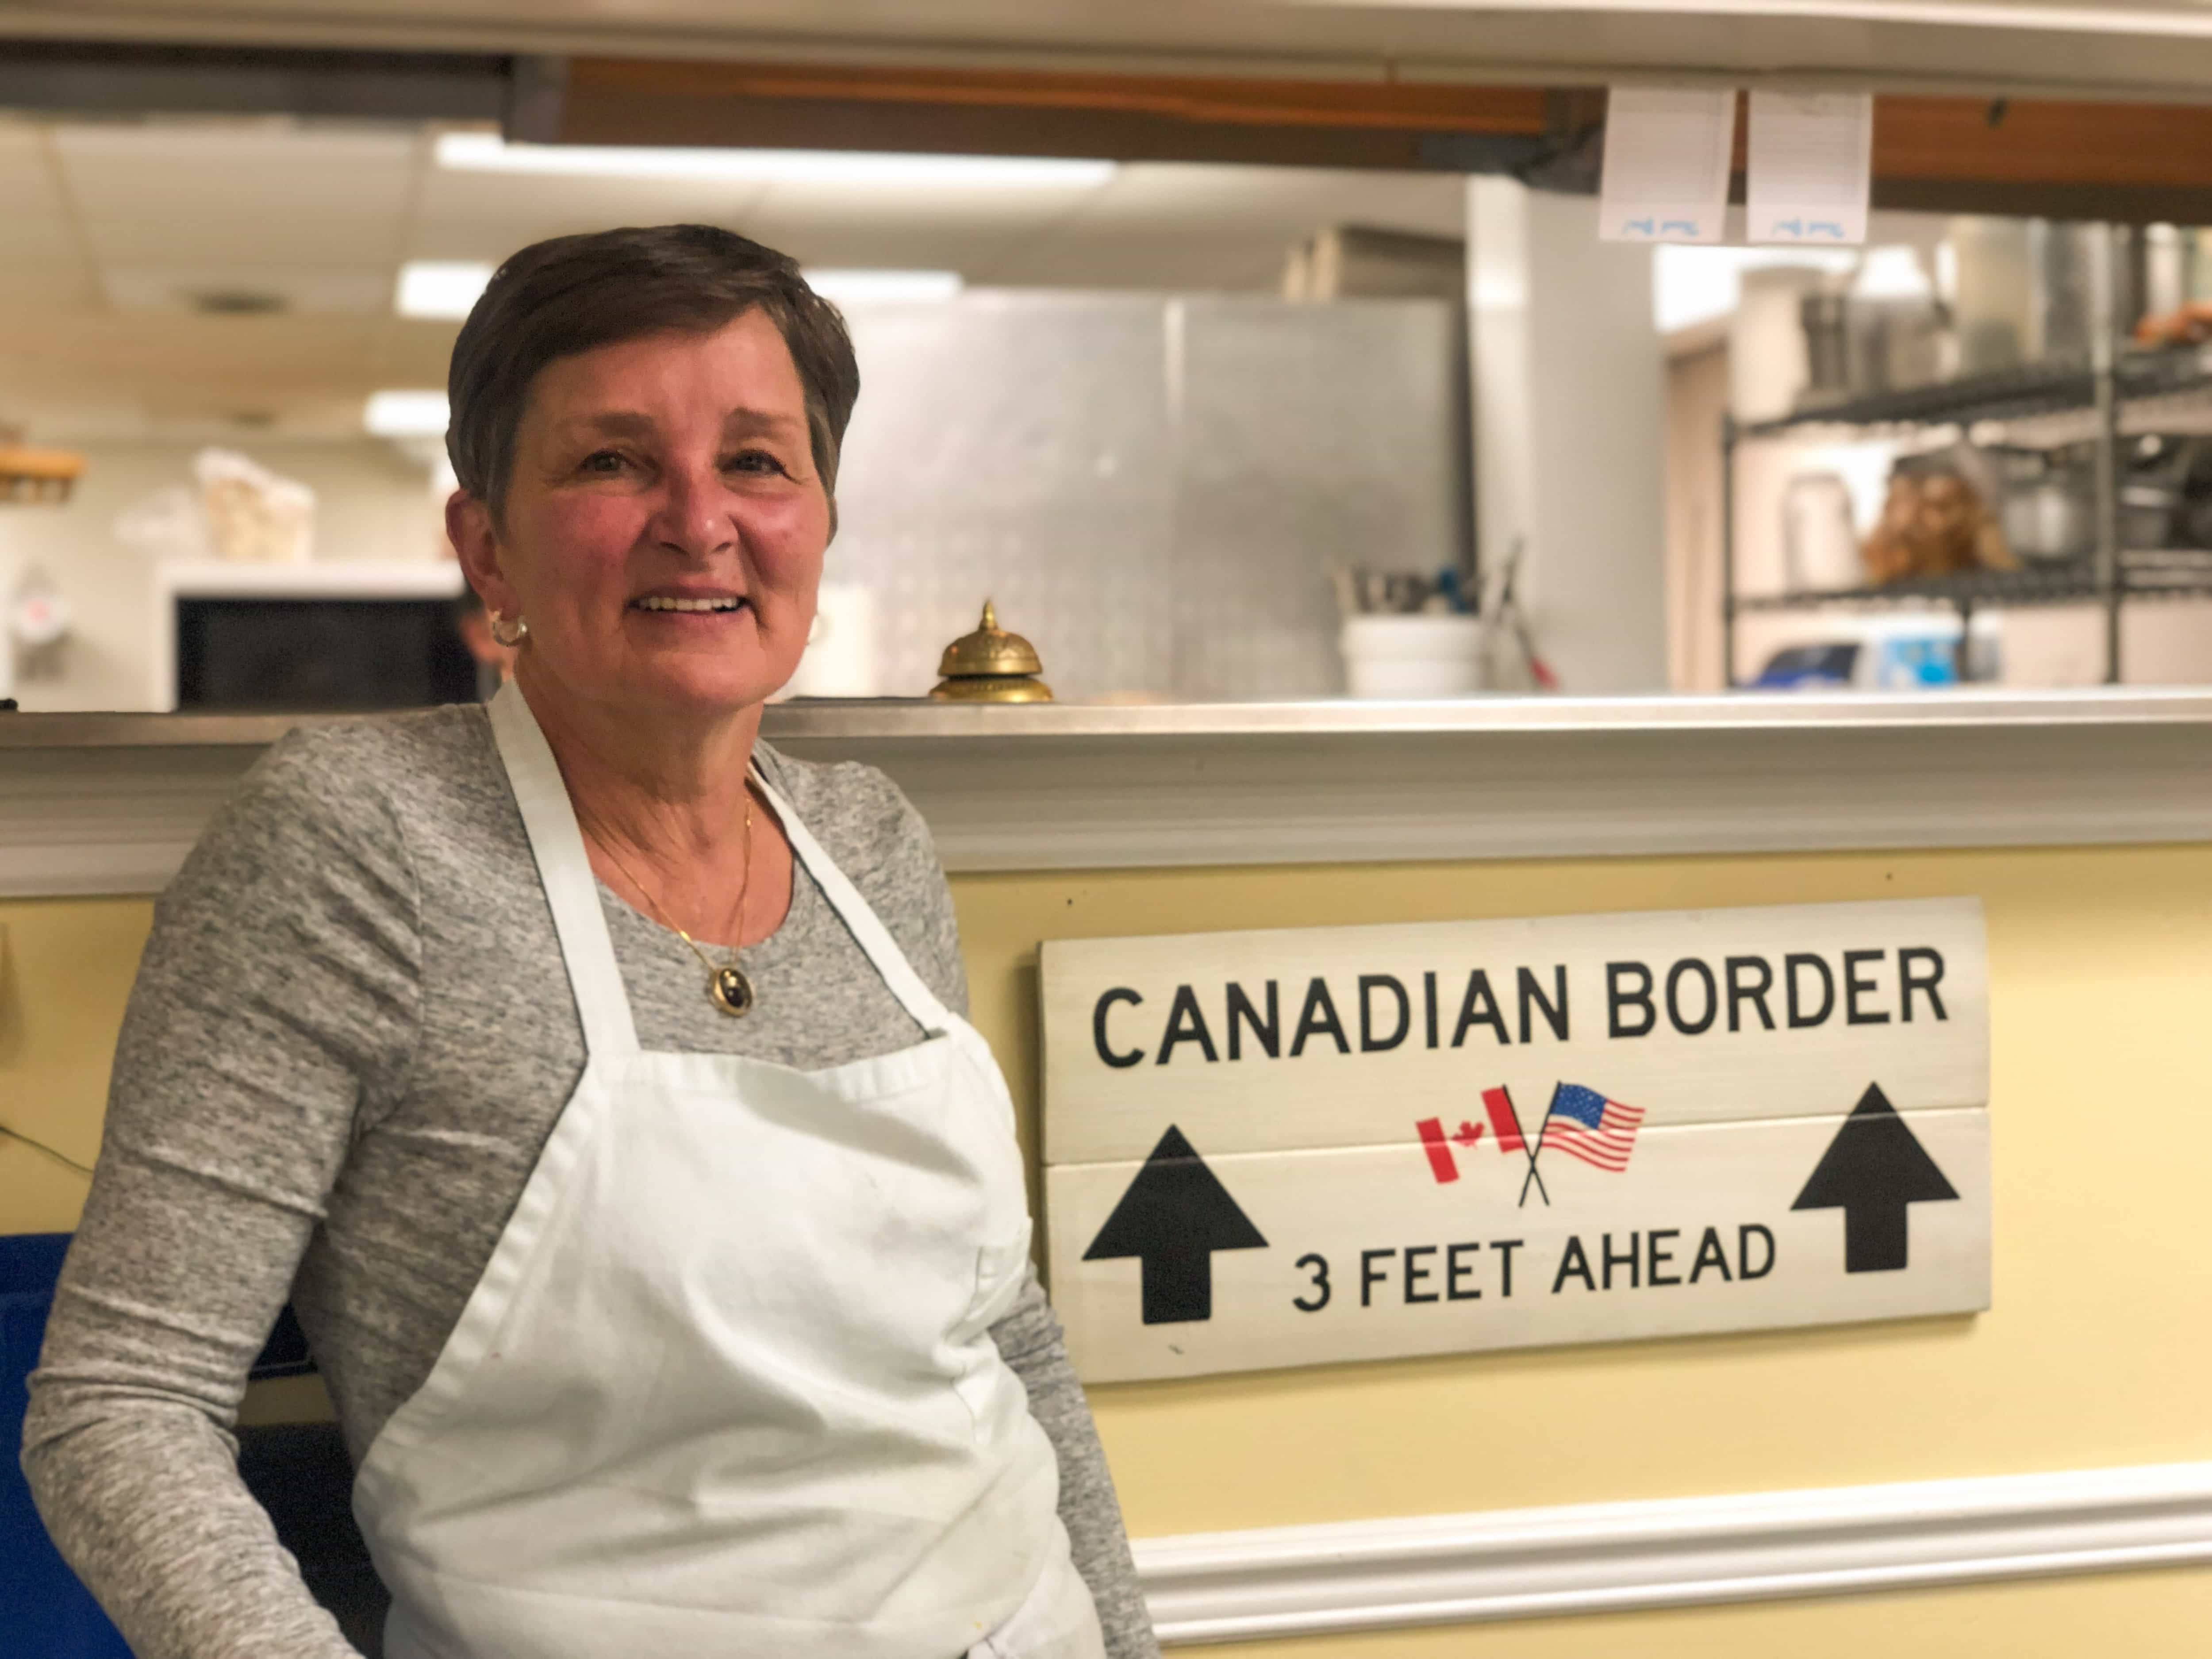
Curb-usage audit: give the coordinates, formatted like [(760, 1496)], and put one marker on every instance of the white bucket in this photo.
[(1412, 656)]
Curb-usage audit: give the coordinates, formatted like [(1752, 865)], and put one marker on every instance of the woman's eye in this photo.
[(604, 462), (754, 460)]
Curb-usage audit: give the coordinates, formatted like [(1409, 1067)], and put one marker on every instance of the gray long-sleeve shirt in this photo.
[(351, 1033)]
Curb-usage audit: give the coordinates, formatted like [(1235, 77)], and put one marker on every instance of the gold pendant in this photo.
[(731, 992)]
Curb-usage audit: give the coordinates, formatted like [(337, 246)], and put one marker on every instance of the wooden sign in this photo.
[(1292, 1147)]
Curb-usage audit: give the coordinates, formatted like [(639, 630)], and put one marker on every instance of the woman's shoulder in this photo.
[(863, 820), (337, 756), (347, 788)]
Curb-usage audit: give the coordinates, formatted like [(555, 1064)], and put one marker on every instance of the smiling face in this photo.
[(664, 524)]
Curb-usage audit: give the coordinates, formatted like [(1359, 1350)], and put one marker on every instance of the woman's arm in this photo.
[(1029, 1341), (276, 999)]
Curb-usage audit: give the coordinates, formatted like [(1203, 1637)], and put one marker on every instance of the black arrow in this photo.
[(1872, 1170), (1175, 1215)]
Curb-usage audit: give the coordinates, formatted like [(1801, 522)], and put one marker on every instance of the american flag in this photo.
[(1583, 1123)]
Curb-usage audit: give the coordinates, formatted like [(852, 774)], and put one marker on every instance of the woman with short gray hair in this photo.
[(591, 1079)]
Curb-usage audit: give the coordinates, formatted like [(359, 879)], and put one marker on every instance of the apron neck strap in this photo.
[(867, 929), (565, 870)]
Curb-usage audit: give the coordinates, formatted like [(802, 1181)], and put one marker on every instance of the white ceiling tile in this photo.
[(20, 132), (327, 213), (473, 238), (237, 167), (186, 366), (39, 239), (52, 289), (906, 242), (790, 220), (218, 236), (410, 351), (28, 185), (300, 289), (496, 213)]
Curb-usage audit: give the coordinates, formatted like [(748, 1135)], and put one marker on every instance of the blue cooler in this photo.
[(44, 1614)]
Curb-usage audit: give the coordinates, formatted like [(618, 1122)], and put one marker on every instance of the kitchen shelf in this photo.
[(2180, 573), (2121, 393), (44, 477), (2007, 395)]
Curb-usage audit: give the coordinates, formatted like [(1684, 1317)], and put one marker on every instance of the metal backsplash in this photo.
[(1153, 488)]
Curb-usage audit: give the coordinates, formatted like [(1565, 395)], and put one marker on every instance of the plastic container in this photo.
[(1906, 651), (1412, 656), (1820, 541), (45, 1612)]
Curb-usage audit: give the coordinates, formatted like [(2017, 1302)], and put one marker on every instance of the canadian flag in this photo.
[(1505, 1122), (1438, 1145)]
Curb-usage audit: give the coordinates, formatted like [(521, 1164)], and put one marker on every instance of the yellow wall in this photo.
[(65, 968), (2100, 964)]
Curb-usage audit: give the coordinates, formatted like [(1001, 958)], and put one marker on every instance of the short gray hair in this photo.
[(573, 294)]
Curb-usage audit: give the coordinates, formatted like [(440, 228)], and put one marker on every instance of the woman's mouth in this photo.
[(660, 602)]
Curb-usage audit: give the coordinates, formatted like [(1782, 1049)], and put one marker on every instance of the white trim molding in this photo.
[(109, 804), (1613, 1557)]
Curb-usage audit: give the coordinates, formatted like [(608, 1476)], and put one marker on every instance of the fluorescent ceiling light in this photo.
[(405, 413), (487, 152), (440, 288), (845, 287)]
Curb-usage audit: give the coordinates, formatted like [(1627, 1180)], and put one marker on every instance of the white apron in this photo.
[(727, 1388)]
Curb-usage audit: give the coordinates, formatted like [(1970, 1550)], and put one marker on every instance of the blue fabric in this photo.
[(44, 1614)]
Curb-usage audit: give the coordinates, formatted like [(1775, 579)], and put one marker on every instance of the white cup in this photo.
[(1412, 656)]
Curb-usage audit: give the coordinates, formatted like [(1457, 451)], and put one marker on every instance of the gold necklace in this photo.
[(728, 988)]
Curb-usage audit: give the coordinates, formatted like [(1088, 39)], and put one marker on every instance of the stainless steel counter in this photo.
[(895, 719), (1343, 716), (110, 803)]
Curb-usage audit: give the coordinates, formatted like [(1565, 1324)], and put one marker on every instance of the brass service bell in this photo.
[(991, 665)]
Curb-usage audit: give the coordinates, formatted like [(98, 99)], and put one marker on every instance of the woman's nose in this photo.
[(694, 516)]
